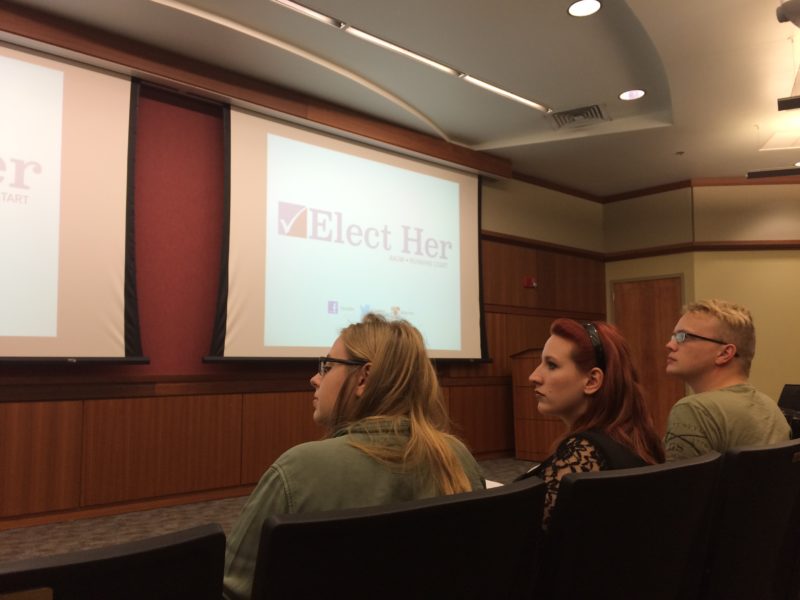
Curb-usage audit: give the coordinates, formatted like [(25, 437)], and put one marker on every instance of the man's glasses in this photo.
[(680, 337), (324, 367)]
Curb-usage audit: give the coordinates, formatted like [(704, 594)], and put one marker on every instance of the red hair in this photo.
[(618, 408)]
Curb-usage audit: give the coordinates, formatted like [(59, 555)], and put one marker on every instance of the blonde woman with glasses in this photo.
[(377, 394)]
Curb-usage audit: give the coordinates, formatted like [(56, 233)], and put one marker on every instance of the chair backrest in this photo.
[(480, 544), (790, 396), (789, 403), (183, 565), (754, 541), (629, 534)]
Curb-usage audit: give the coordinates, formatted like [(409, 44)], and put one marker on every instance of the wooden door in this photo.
[(646, 312)]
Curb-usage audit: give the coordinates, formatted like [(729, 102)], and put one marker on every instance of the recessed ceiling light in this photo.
[(797, 164), (631, 95), (584, 8)]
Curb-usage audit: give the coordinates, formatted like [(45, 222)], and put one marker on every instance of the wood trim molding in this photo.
[(189, 75), (730, 246), (505, 238), (499, 380), (667, 187), (542, 312), (94, 387), (97, 389), (556, 187), (724, 181)]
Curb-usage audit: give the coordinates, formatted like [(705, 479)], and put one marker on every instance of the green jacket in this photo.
[(324, 475), (730, 417)]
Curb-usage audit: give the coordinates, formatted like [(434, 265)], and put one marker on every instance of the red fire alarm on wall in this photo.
[(528, 281)]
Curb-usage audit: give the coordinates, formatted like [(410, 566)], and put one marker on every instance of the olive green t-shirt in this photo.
[(730, 417)]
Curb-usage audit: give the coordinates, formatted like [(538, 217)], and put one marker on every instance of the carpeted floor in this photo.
[(43, 540)]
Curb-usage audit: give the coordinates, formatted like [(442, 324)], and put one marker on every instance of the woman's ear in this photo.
[(363, 373), (594, 381)]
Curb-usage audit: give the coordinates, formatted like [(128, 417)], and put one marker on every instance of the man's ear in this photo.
[(363, 373), (725, 355), (594, 381)]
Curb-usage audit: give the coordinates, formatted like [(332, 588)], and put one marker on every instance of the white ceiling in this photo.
[(713, 70)]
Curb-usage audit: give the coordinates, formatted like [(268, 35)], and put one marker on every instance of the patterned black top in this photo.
[(580, 453)]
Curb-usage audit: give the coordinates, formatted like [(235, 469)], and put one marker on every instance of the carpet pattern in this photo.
[(68, 536)]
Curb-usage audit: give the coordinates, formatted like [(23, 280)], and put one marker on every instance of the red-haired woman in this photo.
[(587, 379)]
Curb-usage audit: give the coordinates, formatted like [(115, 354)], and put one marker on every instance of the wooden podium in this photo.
[(534, 433)]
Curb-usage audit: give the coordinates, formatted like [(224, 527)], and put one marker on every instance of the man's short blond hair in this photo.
[(736, 326)]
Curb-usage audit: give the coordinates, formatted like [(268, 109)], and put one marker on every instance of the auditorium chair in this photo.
[(186, 565), (754, 552), (789, 403), (629, 534), (480, 545)]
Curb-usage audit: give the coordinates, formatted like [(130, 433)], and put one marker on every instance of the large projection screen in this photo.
[(63, 203), (324, 230)]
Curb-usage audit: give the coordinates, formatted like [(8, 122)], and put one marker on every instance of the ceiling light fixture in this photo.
[(372, 39), (584, 8), (399, 49), (632, 95), (317, 16), (501, 92), (321, 61)]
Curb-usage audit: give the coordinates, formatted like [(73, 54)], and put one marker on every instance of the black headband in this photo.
[(597, 344)]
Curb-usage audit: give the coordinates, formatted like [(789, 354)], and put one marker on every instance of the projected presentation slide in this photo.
[(333, 230), (396, 253), (63, 194), (30, 202)]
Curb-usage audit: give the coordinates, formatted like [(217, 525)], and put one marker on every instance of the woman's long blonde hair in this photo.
[(401, 386)]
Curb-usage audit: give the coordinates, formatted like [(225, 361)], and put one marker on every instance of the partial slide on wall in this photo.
[(324, 230), (63, 205)]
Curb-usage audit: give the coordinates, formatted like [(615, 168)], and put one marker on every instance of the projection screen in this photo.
[(63, 204), (324, 230)]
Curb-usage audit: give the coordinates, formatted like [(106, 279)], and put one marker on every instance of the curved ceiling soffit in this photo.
[(310, 56)]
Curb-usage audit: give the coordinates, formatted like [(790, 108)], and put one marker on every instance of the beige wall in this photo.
[(662, 219), (747, 212), (529, 211), (768, 283)]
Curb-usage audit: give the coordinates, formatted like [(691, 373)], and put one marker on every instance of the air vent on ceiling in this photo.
[(579, 117)]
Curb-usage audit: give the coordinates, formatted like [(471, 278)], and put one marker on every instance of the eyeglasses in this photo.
[(324, 367), (680, 337)]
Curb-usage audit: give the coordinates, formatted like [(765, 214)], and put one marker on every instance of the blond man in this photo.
[(711, 349)]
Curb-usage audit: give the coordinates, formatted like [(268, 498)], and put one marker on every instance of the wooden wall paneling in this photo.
[(504, 266), (40, 450), (446, 398), (150, 447), (482, 417), (495, 343), (570, 283), (535, 438), (523, 332), (534, 433), (271, 424)]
